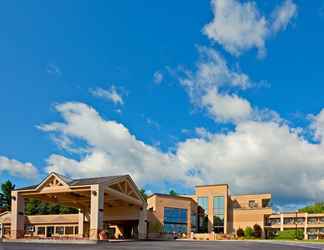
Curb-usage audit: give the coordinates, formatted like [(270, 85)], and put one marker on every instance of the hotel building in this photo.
[(211, 211), (114, 204)]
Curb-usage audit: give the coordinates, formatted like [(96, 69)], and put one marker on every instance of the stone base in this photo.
[(93, 234), (16, 234)]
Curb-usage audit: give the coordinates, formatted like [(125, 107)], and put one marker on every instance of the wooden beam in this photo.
[(124, 197)]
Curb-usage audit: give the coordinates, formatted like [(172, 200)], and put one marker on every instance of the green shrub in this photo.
[(290, 234), (257, 231), (248, 232), (240, 232)]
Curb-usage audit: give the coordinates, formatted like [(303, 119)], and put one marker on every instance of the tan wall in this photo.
[(243, 218), (211, 191), (242, 201), (242, 215), (157, 204), (121, 213)]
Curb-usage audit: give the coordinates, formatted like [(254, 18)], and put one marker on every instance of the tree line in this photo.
[(32, 206)]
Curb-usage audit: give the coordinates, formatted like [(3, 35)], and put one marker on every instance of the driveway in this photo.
[(164, 245)]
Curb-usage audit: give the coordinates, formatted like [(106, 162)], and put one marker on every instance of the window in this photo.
[(203, 216), (252, 204), (69, 230), (218, 214), (29, 228), (321, 230), (193, 221), (59, 230), (175, 220), (288, 221), (321, 219), (76, 230), (312, 220), (203, 202), (40, 230), (266, 203)]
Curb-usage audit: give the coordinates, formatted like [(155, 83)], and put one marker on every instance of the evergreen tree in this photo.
[(6, 189)]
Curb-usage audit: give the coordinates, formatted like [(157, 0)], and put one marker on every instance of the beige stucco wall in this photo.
[(156, 205), (211, 191)]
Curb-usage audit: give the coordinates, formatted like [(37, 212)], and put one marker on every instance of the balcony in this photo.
[(312, 221)]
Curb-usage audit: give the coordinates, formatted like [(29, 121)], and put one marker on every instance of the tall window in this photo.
[(218, 214), (175, 220), (203, 218)]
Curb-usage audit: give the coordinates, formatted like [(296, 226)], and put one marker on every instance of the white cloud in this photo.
[(259, 157), (157, 77), (112, 149), (108, 94), (209, 84), (226, 107), (318, 126), (255, 157), (53, 69), (17, 168), (239, 26), (283, 14)]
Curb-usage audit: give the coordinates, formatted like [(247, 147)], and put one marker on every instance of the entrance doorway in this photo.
[(49, 231)]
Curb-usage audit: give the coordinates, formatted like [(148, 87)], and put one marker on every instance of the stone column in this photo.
[(17, 215), (305, 226), (142, 223), (81, 223), (189, 222), (96, 211), (281, 222), (1, 231)]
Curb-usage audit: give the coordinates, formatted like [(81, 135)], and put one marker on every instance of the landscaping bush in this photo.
[(290, 235), (240, 232), (257, 231), (248, 232)]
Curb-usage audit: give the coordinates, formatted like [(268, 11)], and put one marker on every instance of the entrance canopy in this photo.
[(93, 196), (76, 193)]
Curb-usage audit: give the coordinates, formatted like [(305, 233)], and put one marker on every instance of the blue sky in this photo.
[(120, 87)]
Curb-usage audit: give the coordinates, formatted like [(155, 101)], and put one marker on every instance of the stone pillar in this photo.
[(17, 215), (189, 222), (81, 223), (96, 211), (305, 226), (142, 223), (1, 231), (281, 222)]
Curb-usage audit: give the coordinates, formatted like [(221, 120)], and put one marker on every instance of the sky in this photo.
[(174, 93)]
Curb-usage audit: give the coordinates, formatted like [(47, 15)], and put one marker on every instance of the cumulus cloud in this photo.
[(239, 26), (111, 148), (209, 84), (17, 168), (257, 156), (111, 94), (157, 77)]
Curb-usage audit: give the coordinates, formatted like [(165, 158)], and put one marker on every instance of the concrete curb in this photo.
[(90, 242)]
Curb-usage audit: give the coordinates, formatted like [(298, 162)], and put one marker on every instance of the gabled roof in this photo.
[(96, 180), (77, 182)]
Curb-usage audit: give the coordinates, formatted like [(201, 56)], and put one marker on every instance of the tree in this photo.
[(240, 233), (257, 231), (6, 189), (313, 209), (290, 234), (143, 193), (248, 232), (34, 206), (173, 193)]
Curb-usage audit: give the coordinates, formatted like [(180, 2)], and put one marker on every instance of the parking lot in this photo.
[(164, 245)]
